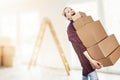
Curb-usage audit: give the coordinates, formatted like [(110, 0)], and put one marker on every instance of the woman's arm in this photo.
[(95, 63)]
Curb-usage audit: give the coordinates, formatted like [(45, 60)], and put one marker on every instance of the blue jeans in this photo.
[(91, 76)]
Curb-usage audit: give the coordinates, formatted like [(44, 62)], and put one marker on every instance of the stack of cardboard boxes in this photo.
[(100, 46), (7, 51)]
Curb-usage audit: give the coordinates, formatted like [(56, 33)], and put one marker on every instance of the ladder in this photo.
[(47, 23)]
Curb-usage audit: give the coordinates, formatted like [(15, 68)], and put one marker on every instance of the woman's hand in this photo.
[(95, 64)]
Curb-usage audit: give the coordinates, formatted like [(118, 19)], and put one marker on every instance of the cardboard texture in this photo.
[(100, 46), (91, 33), (111, 59), (80, 22), (78, 15), (8, 55), (103, 48)]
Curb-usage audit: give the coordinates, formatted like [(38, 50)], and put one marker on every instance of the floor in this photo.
[(40, 73)]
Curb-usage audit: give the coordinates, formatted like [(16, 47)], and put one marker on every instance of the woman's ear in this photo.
[(68, 18)]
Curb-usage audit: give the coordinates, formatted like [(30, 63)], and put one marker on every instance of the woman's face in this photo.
[(69, 13)]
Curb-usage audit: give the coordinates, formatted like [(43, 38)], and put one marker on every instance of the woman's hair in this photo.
[(64, 14)]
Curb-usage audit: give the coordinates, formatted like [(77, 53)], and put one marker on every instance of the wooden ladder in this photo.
[(47, 23)]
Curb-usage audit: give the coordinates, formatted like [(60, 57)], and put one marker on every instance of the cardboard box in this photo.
[(91, 33), (80, 22), (0, 56), (111, 59), (103, 48), (8, 56), (78, 15)]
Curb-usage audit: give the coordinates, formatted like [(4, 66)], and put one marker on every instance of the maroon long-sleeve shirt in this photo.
[(79, 49)]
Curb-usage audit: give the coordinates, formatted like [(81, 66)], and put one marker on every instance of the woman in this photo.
[(80, 49)]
